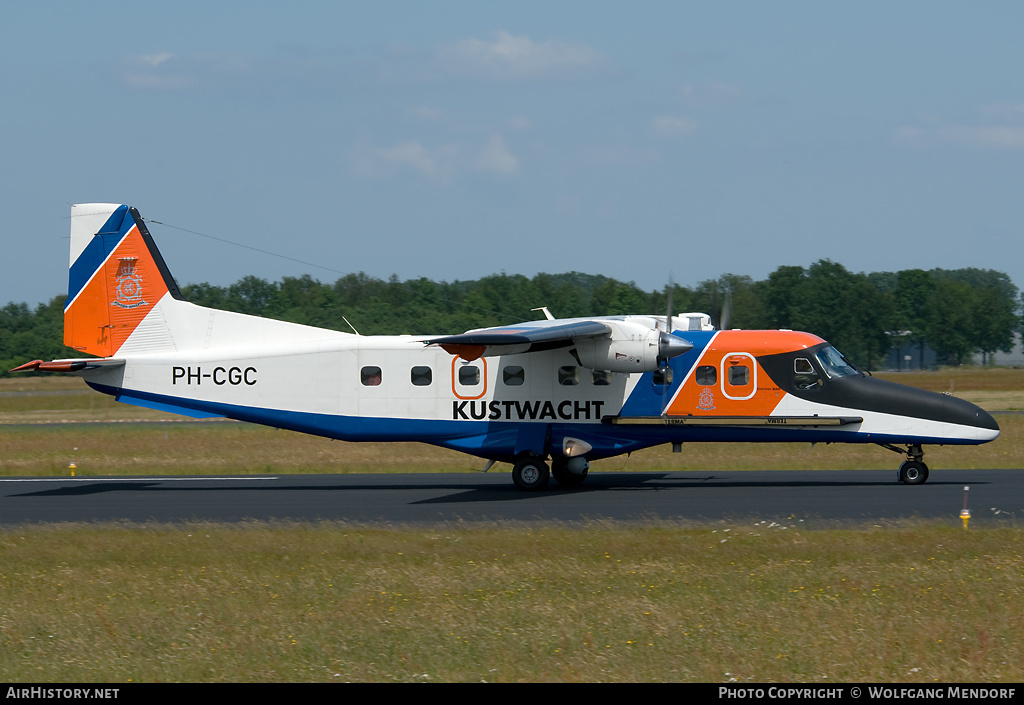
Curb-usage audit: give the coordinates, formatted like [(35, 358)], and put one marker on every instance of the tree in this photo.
[(783, 296), (951, 322), (913, 296)]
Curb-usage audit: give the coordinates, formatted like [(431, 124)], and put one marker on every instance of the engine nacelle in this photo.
[(632, 347)]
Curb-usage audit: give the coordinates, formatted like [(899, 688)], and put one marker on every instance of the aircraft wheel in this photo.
[(565, 478), (913, 472), (531, 474)]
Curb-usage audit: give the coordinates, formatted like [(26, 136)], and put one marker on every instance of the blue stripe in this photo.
[(128, 398), (97, 251), (504, 440), (648, 398)]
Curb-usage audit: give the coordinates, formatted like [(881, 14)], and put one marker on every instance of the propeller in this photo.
[(668, 295), (665, 344), (723, 318), (669, 345)]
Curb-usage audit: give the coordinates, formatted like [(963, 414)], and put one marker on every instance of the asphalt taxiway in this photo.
[(825, 497)]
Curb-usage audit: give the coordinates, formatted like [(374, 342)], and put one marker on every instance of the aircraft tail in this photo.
[(116, 278)]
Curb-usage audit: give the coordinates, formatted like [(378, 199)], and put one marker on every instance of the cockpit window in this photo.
[(804, 376), (834, 364)]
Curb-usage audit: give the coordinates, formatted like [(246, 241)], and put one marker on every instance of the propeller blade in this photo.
[(668, 314), (726, 310)]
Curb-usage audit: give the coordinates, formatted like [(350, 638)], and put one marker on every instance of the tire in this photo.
[(531, 474), (913, 472)]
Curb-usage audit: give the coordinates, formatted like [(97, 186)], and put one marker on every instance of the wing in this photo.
[(526, 337), (615, 343)]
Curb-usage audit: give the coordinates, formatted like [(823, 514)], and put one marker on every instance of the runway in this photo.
[(815, 498)]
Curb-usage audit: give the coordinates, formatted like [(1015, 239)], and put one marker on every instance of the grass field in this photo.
[(756, 603), (759, 603)]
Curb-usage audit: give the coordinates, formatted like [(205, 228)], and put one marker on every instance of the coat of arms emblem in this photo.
[(706, 399), (129, 284)]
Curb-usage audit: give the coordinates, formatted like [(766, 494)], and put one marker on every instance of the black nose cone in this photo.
[(873, 394)]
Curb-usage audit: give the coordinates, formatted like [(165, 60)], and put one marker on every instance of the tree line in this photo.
[(957, 313)]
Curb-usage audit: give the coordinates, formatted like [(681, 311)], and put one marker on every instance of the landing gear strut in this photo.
[(913, 471)]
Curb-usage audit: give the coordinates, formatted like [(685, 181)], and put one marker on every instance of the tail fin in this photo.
[(116, 277)]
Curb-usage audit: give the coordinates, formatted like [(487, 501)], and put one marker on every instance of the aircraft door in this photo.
[(738, 375)]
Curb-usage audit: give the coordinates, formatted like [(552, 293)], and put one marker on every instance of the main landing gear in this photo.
[(913, 471), (531, 473)]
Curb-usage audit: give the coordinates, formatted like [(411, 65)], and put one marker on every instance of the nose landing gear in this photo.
[(913, 471)]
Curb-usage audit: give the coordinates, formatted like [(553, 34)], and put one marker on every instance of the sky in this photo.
[(642, 141)]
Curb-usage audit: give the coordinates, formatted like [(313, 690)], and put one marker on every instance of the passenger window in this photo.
[(513, 376), (568, 376), (422, 376), (804, 376), (739, 375), (469, 375), (370, 376), (707, 375), (601, 378)]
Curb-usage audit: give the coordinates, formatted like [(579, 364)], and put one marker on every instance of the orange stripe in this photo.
[(116, 299), (725, 351)]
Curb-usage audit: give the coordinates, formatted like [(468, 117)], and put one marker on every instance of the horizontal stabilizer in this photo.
[(75, 365)]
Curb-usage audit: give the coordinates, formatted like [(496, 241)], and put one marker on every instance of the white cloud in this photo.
[(496, 158), (437, 163), (712, 94), (424, 113), (672, 126), (997, 126), (168, 71), (519, 123), (987, 136), (414, 155), (1004, 111), (997, 136), (507, 57), (619, 156), (156, 59), (284, 69)]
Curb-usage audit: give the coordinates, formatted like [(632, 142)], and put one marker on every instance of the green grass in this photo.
[(753, 603)]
